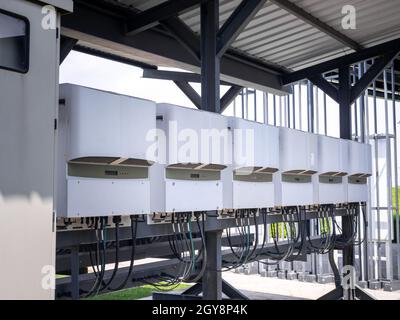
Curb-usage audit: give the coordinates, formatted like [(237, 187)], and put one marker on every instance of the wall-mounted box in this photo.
[(333, 158), (360, 168), (249, 180), (299, 164), (102, 160), (193, 149)]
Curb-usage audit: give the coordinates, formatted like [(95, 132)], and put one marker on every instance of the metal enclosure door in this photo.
[(27, 112)]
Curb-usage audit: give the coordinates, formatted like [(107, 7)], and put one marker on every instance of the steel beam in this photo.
[(316, 23), (157, 47), (188, 90), (349, 59), (373, 72), (325, 86), (150, 18), (175, 76), (184, 35), (66, 45), (229, 96), (113, 57), (237, 21)]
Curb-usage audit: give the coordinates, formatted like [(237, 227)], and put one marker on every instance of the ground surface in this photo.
[(260, 288)]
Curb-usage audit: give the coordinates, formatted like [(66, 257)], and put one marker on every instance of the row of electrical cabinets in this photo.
[(119, 155)]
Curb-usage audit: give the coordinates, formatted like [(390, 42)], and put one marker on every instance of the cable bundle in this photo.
[(99, 261), (183, 248), (326, 230), (247, 248)]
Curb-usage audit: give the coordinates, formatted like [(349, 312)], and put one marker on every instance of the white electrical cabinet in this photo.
[(360, 168), (331, 184), (193, 148), (103, 157), (299, 164), (249, 180)]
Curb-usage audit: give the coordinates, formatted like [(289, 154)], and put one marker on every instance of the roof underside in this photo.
[(276, 36)]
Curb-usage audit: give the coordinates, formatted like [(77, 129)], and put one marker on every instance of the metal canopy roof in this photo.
[(277, 36), (283, 36)]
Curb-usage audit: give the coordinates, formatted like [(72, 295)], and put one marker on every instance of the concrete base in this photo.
[(392, 286), (239, 270), (302, 276), (374, 285), (272, 273), (325, 278), (282, 274), (311, 278), (363, 284), (291, 275)]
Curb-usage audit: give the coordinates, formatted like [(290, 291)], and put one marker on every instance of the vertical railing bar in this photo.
[(388, 176), (397, 215)]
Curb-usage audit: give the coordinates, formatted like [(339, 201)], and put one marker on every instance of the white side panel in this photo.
[(195, 136), (254, 144), (253, 194), (183, 195), (227, 183), (102, 197), (333, 155), (297, 194), (27, 112), (298, 150), (358, 192), (332, 193), (360, 156)]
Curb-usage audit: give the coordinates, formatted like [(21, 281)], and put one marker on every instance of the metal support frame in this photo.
[(151, 17), (184, 35), (346, 60), (229, 96), (188, 90), (359, 86), (113, 57), (66, 45), (237, 21), (173, 41), (182, 79)]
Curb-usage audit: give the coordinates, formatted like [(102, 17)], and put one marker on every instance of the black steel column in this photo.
[(345, 102), (210, 101), (212, 279), (345, 133), (210, 63), (75, 273)]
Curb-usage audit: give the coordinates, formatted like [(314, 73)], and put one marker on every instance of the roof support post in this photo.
[(210, 62), (210, 101), (344, 96)]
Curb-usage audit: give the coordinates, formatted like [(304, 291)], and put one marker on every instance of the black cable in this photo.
[(117, 221), (134, 222)]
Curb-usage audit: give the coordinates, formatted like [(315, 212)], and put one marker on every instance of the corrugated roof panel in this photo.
[(274, 35)]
